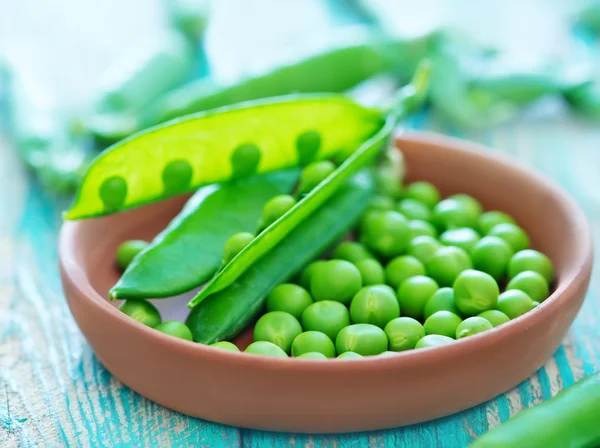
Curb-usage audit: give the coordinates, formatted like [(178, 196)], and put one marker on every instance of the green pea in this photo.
[(465, 238), (327, 316), (142, 311), (289, 298), (128, 250), (225, 345), (388, 353), (388, 183), (475, 291), (423, 248), (441, 300), (266, 349), (444, 323), (452, 214), (491, 255), (176, 329), (306, 274), (375, 305), (312, 355), (307, 146), (364, 339), (469, 201), (276, 208), (279, 328), (418, 227), (495, 317), (113, 192), (177, 176), (349, 355), (313, 174), (531, 260), (512, 234), (488, 220), (403, 333), (385, 232), (244, 160), (371, 272), (446, 264), (313, 341), (235, 244), (413, 209), (351, 251), (413, 294), (531, 283), (534, 304), (471, 326), (337, 280), (433, 340), (514, 303), (380, 202), (401, 268), (423, 191)]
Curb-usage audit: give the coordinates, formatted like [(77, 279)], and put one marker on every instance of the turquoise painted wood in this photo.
[(54, 392)]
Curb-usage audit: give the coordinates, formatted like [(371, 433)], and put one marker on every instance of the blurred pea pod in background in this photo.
[(189, 16)]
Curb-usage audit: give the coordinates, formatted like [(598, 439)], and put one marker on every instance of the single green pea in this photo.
[(413, 209), (531, 283), (531, 260), (276, 208), (403, 333), (380, 202), (534, 304), (514, 303), (512, 234), (306, 274), (289, 298), (491, 255), (351, 251), (307, 146), (364, 339), (401, 268), (495, 317), (413, 294), (418, 227), (475, 291), (177, 176), (471, 326), (385, 232), (225, 345), (142, 311), (423, 248), (488, 220), (176, 329), (388, 183), (444, 323), (326, 316), (337, 280), (279, 328), (244, 160), (113, 192), (375, 305), (312, 355), (313, 174), (313, 341), (425, 192), (433, 340), (465, 238), (447, 263), (371, 272), (388, 353), (452, 214), (441, 300), (128, 250), (469, 201), (349, 355), (235, 244), (265, 348)]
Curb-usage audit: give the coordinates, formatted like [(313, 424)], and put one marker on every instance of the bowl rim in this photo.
[(402, 360)]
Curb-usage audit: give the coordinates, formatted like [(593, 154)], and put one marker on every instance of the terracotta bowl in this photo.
[(339, 395)]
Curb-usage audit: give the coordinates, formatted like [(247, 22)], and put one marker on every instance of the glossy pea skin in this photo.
[(364, 339), (512, 234), (337, 280), (418, 227), (403, 333), (452, 214), (371, 272), (380, 202), (495, 317), (492, 218), (279, 328), (176, 329), (531, 283), (531, 260), (441, 300), (423, 248), (465, 238), (469, 202), (266, 349), (312, 355), (447, 263), (471, 326), (425, 192), (491, 255), (433, 340), (401, 268), (385, 232), (276, 208), (235, 244), (128, 250), (306, 274), (225, 345), (413, 294), (142, 311), (313, 341), (443, 323), (313, 174), (349, 355), (375, 305), (475, 291), (289, 298), (351, 251), (326, 316), (534, 304), (413, 209), (514, 303)]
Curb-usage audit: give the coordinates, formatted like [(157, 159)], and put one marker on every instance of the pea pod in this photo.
[(223, 315), (194, 240), (569, 419), (585, 99), (589, 17)]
